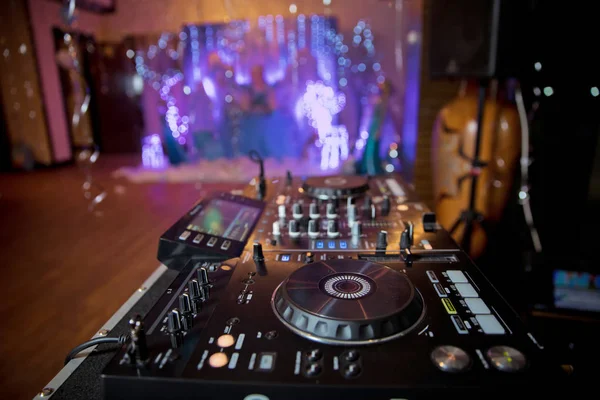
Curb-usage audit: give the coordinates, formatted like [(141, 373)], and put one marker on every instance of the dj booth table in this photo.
[(80, 378)]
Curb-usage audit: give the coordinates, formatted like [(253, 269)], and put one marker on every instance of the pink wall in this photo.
[(44, 16)]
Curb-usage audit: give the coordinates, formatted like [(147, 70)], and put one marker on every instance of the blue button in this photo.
[(320, 244), (331, 244), (285, 257), (343, 244)]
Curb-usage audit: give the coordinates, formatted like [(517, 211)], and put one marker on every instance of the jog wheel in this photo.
[(335, 187), (348, 302)]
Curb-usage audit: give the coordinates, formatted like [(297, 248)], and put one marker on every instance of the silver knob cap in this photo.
[(450, 358), (506, 358)]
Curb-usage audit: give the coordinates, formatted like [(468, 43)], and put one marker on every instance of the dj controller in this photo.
[(324, 287)]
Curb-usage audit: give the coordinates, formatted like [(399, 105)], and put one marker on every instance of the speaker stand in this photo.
[(471, 216)]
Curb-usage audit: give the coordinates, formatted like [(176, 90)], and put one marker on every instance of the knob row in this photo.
[(182, 318), (313, 229)]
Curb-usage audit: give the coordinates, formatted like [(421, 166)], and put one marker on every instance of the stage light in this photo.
[(537, 66), (595, 92), (537, 91), (187, 90), (326, 2), (130, 53), (23, 49), (293, 8), (548, 91)]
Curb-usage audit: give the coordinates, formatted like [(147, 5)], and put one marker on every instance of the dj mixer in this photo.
[(324, 287)]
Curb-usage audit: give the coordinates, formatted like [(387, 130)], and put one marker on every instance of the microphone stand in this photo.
[(470, 216)]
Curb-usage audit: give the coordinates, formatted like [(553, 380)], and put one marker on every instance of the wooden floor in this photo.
[(65, 270)]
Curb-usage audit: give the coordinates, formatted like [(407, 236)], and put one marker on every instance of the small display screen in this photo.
[(226, 219), (576, 290), (285, 257)]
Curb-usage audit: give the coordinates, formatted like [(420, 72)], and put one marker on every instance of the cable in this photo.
[(524, 191), (93, 342)]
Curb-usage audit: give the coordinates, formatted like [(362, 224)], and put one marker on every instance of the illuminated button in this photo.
[(225, 341), (218, 360), (477, 306), (343, 244), (457, 276), (266, 361), (320, 244), (285, 257), (331, 244), (466, 290), (185, 235), (225, 245), (212, 242), (198, 238), (490, 324)]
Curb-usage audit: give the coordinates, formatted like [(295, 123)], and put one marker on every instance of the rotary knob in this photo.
[(385, 206), (174, 328), (185, 305), (195, 295), (382, 240), (276, 229), (332, 228), (297, 211), (202, 274), (313, 229), (281, 211), (293, 229), (450, 358), (331, 211), (313, 211), (507, 359), (367, 204)]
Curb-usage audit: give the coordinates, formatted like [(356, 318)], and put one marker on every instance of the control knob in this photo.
[(276, 228), (174, 327), (368, 203), (382, 240), (385, 206), (195, 295), (313, 211), (373, 213), (202, 274), (313, 229), (259, 259), (332, 228), (331, 211), (185, 305), (281, 211), (429, 222), (294, 229), (297, 211)]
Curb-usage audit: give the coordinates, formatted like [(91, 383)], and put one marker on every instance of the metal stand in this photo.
[(471, 216)]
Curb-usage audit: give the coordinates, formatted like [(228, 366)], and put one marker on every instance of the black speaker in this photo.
[(475, 38)]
